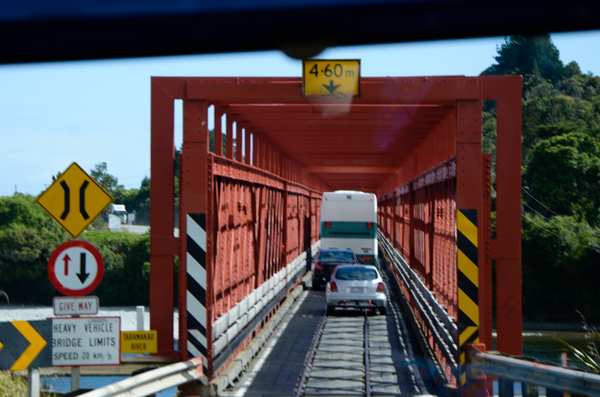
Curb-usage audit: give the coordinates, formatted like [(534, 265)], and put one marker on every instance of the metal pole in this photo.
[(75, 377), (33, 381), (140, 317)]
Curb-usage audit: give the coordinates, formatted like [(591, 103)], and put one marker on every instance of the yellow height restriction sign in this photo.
[(74, 200), (334, 78)]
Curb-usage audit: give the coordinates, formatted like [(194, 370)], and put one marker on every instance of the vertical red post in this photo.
[(469, 201), (239, 135), (247, 145), (219, 111), (229, 144), (195, 209), (163, 246), (507, 91)]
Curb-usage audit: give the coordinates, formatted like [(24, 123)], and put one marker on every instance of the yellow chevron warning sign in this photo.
[(25, 344), (468, 283)]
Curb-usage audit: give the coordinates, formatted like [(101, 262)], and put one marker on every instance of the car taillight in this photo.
[(367, 258), (369, 225), (333, 286), (380, 287), (328, 224), (318, 267)]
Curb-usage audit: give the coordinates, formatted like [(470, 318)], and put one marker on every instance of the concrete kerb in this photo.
[(243, 359)]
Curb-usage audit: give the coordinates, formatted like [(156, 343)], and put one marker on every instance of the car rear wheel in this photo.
[(330, 310), (383, 311)]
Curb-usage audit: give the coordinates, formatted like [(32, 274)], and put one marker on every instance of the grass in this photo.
[(11, 386), (591, 358)]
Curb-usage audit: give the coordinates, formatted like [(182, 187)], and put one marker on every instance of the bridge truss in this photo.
[(247, 213)]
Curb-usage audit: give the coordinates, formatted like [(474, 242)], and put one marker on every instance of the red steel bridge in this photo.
[(249, 215)]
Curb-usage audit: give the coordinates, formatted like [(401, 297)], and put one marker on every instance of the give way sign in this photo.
[(75, 268)]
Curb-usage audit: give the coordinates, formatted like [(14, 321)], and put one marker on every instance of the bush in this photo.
[(560, 276), (28, 236)]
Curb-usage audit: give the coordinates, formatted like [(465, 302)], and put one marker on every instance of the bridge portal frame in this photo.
[(461, 139)]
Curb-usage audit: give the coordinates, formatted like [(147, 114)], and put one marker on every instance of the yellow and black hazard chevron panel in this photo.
[(25, 344), (468, 283)]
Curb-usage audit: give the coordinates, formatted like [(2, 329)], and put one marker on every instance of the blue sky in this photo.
[(53, 114)]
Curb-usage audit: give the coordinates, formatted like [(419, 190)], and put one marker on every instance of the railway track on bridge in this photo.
[(352, 355)]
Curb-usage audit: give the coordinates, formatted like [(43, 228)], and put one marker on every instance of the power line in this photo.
[(566, 239), (566, 219)]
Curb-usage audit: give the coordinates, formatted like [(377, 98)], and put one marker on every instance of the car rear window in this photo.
[(336, 256), (349, 273)]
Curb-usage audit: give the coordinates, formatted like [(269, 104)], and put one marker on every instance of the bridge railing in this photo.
[(153, 381), (532, 375), (431, 315)]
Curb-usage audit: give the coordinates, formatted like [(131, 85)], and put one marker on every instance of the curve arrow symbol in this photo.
[(37, 343), (331, 87)]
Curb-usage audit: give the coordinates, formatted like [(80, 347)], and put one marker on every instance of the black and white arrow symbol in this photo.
[(83, 274)]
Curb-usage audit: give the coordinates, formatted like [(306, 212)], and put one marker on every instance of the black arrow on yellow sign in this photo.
[(25, 344), (331, 87)]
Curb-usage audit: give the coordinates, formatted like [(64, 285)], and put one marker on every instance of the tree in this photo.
[(528, 55), (564, 173), (107, 181)]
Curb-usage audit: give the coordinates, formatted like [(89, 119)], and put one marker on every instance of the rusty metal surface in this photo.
[(415, 142)]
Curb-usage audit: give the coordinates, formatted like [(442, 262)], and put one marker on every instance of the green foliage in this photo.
[(11, 387), (126, 265), (21, 211), (528, 55), (565, 171), (137, 200), (106, 180), (28, 236), (591, 358), (560, 276)]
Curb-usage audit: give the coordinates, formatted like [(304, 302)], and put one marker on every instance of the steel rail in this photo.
[(438, 329), (153, 381), (311, 354), (533, 373), (367, 372)]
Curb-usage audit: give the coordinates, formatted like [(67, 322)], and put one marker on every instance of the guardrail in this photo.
[(443, 327), (531, 374), (231, 329), (153, 381)]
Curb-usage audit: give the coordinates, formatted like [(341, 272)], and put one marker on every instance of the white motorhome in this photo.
[(119, 211), (349, 221)]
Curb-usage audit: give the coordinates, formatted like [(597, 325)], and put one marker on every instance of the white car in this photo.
[(356, 287)]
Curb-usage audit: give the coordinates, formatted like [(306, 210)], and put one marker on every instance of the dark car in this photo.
[(325, 263)]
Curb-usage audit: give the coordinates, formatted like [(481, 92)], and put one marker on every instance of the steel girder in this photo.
[(387, 141)]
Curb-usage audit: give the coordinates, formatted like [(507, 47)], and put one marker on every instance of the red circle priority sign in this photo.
[(75, 268)]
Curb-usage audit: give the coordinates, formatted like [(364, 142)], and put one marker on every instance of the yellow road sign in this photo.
[(25, 344), (74, 200), (139, 341), (333, 78)]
